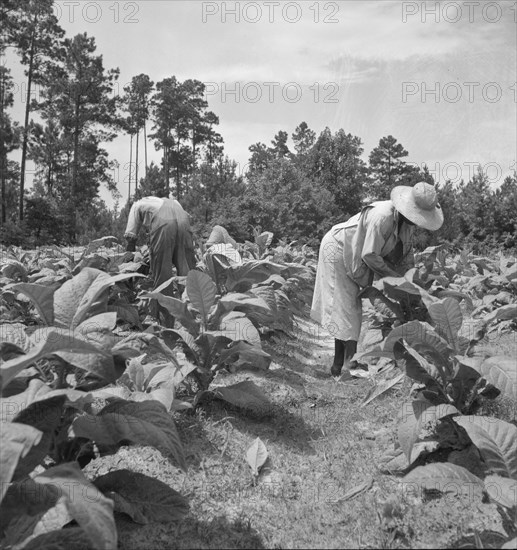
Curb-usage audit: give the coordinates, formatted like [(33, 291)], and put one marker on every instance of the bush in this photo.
[(13, 234)]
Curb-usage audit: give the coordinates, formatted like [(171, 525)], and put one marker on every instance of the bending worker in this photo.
[(375, 242), (170, 236)]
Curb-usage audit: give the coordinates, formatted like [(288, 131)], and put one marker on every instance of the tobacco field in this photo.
[(207, 417)]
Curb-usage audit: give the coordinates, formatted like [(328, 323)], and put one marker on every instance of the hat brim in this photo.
[(402, 198)]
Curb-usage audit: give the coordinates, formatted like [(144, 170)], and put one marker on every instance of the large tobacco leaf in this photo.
[(236, 326), (143, 498), (499, 370), (424, 339), (124, 422), (244, 395), (444, 478), (201, 291), (77, 299), (54, 341), (447, 318), (496, 441), (17, 440), (85, 503)]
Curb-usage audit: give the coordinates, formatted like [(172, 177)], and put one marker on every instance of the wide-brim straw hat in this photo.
[(419, 204)]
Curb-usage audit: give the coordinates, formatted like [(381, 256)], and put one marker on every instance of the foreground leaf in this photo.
[(42, 297), (245, 395), (236, 326), (256, 456), (502, 490), (496, 441), (444, 478), (16, 442), (45, 416), (86, 504), (54, 341), (201, 291), (500, 371), (143, 498), (124, 422), (447, 317), (423, 338)]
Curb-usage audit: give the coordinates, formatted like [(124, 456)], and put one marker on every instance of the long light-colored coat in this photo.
[(351, 254)]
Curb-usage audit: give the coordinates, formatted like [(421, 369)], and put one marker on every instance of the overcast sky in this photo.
[(439, 76)]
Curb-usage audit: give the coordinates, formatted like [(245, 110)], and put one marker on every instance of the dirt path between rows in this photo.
[(321, 487)]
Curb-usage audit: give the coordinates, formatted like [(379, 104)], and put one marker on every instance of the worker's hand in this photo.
[(131, 246)]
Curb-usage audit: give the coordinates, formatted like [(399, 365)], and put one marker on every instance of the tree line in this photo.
[(297, 191)]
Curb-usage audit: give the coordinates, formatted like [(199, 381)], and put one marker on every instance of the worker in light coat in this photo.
[(170, 236), (375, 242)]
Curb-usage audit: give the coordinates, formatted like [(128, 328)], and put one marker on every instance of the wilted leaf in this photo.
[(244, 355), (256, 456), (382, 387), (143, 498), (357, 490)]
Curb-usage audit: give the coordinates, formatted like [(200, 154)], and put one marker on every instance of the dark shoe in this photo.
[(335, 370)]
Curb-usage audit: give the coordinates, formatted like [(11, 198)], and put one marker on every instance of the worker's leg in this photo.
[(183, 255), (161, 250), (343, 353)]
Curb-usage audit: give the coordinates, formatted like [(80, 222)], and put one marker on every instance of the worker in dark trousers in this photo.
[(170, 236)]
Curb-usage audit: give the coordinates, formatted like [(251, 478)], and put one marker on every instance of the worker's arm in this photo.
[(134, 222), (373, 244)]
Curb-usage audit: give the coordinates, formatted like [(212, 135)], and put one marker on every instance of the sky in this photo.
[(441, 77)]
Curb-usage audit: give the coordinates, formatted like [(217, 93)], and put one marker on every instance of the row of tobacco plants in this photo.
[(432, 326), (85, 369)]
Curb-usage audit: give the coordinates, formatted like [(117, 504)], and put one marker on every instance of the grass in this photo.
[(322, 446)]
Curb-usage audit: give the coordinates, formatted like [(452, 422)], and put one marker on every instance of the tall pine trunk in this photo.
[(130, 166), (3, 176), (26, 122), (136, 160), (3, 152), (145, 147), (75, 166)]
